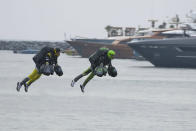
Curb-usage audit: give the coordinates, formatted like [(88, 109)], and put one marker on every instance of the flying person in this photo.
[(100, 64), (46, 63)]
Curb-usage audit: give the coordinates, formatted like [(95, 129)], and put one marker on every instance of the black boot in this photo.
[(82, 88), (76, 79), (72, 83), (26, 87), (18, 86)]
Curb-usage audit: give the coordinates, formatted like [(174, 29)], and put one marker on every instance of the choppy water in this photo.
[(141, 98)]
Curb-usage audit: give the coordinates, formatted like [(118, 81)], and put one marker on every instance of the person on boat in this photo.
[(100, 64), (46, 64)]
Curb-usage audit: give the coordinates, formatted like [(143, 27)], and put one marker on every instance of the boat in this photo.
[(86, 46), (95, 40), (123, 51), (85, 49), (172, 52)]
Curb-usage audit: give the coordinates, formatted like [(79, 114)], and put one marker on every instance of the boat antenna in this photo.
[(176, 21), (153, 21)]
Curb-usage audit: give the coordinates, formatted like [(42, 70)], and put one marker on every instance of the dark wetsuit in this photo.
[(96, 59), (46, 54), (100, 56)]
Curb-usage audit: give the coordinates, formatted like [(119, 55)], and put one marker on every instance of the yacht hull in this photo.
[(178, 52), (85, 49)]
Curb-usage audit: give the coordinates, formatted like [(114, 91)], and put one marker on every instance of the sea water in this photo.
[(141, 98)]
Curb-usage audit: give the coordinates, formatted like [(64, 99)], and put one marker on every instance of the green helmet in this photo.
[(111, 54)]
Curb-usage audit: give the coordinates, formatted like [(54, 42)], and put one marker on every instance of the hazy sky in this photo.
[(49, 19)]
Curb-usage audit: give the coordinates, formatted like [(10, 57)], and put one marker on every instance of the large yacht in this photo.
[(86, 47), (173, 52)]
